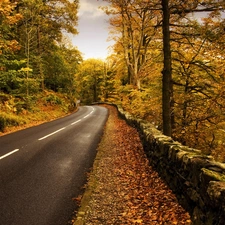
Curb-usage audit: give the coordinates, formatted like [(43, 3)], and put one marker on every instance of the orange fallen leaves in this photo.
[(129, 191)]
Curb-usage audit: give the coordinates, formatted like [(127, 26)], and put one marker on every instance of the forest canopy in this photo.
[(168, 67), (33, 53), (37, 62)]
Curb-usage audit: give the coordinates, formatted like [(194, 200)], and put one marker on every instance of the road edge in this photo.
[(91, 181)]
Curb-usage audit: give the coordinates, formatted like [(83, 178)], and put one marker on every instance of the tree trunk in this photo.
[(40, 57), (167, 89)]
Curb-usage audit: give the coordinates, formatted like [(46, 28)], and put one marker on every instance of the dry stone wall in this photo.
[(197, 180)]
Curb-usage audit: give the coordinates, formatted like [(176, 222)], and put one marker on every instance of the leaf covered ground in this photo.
[(123, 188)]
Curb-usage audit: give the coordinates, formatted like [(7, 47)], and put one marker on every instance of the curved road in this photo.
[(42, 168)]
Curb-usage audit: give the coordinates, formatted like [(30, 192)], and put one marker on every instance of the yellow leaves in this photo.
[(138, 221), (143, 104), (26, 69), (6, 8), (14, 19), (130, 173), (7, 19)]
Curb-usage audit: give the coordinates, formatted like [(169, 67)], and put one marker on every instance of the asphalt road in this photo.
[(44, 167)]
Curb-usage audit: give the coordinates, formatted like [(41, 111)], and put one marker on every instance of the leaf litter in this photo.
[(123, 188)]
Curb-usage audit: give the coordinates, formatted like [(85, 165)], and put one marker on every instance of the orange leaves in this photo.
[(128, 190), (77, 199), (6, 9)]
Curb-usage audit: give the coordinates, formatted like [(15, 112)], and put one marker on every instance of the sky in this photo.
[(93, 30)]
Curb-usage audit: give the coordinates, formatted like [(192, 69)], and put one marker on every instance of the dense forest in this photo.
[(37, 61), (167, 64)]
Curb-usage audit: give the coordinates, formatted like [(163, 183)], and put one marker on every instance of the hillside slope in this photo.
[(17, 113)]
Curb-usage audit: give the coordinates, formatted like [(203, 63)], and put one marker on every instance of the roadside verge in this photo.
[(122, 187)]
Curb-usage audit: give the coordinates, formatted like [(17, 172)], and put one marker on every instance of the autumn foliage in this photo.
[(35, 56), (195, 90)]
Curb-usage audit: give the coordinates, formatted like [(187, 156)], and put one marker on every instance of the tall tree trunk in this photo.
[(167, 89), (28, 58), (137, 82), (40, 57)]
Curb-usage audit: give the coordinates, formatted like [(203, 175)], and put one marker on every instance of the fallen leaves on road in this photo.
[(126, 189)]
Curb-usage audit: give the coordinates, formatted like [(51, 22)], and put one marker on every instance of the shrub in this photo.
[(4, 97), (53, 100), (2, 124), (8, 120)]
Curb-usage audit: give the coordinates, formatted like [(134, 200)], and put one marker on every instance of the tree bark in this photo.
[(167, 89)]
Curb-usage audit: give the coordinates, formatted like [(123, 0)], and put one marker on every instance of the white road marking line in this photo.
[(75, 122), (10, 153), (89, 113), (51, 134), (65, 127)]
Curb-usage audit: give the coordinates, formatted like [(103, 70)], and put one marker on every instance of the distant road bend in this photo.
[(42, 168)]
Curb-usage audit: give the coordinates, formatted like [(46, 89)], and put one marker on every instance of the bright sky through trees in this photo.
[(93, 30)]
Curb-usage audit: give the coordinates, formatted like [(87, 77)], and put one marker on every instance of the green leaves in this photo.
[(90, 80), (36, 56)]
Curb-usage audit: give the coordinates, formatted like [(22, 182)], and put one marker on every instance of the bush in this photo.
[(2, 124), (53, 100), (4, 97), (22, 102), (7, 120)]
